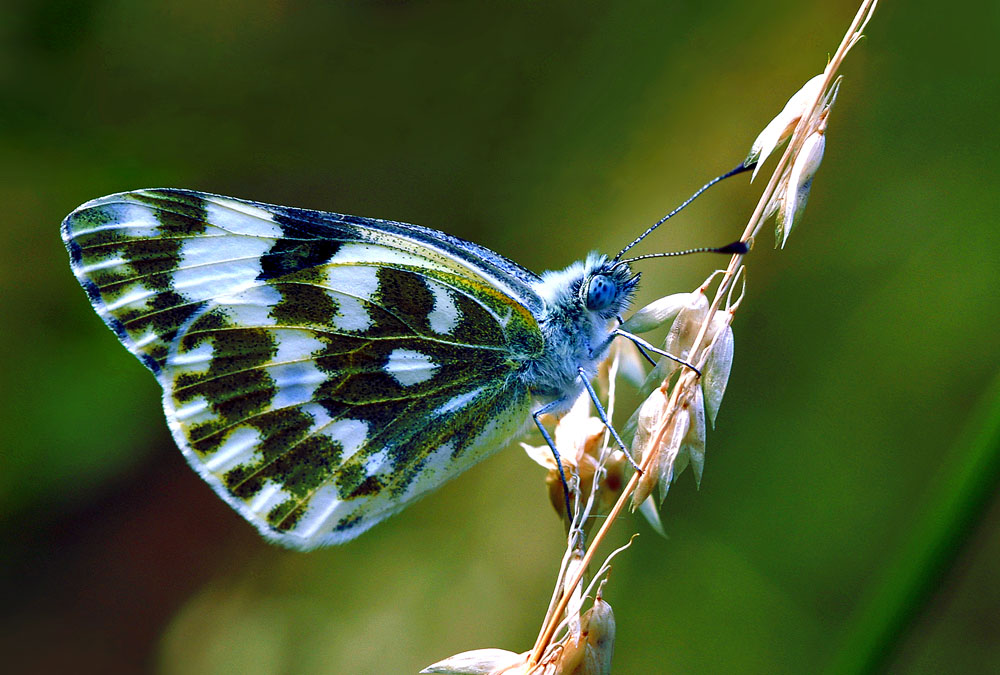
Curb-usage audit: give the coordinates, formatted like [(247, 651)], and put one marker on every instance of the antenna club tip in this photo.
[(736, 248)]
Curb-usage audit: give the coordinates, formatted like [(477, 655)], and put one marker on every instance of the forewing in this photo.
[(320, 374)]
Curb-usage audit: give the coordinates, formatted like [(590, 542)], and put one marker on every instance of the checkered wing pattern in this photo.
[(319, 371)]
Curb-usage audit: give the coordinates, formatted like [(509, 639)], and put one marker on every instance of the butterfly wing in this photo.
[(320, 371)]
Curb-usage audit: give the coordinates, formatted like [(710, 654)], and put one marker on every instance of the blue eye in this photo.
[(601, 292)]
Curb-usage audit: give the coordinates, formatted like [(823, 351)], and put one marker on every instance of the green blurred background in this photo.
[(541, 130)]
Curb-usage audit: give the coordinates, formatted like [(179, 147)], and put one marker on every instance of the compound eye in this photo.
[(601, 293)]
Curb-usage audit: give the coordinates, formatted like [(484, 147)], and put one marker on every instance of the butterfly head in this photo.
[(606, 288), (597, 288)]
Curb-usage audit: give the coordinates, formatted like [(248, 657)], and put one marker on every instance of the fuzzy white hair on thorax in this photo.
[(576, 336)]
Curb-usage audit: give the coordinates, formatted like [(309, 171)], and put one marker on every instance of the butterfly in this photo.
[(322, 371)]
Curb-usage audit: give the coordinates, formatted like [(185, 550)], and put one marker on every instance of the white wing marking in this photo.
[(209, 268), (358, 254), (351, 314), (194, 412), (445, 316), (410, 367), (137, 296), (270, 495), (359, 282), (239, 448), (351, 434), (234, 217)]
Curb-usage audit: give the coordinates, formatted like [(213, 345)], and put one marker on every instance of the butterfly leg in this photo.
[(639, 347), (555, 453), (604, 418), (639, 342)]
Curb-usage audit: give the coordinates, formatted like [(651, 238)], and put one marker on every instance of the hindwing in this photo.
[(319, 371)]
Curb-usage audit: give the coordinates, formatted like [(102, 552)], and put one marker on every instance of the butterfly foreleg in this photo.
[(639, 342), (604, 418), (637, 346), (555, 453)]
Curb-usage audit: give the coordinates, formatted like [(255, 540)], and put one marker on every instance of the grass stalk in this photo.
[(938, 538)]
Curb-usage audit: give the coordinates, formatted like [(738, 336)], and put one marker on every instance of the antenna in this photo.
[(739, 169), (735, 248)]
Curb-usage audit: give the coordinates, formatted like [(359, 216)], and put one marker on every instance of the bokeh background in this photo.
[(541, 130)]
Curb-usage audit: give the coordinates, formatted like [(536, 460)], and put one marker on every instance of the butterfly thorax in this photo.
[(581, 303)]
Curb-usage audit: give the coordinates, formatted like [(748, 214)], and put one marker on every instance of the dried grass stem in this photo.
[(688, 378)]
